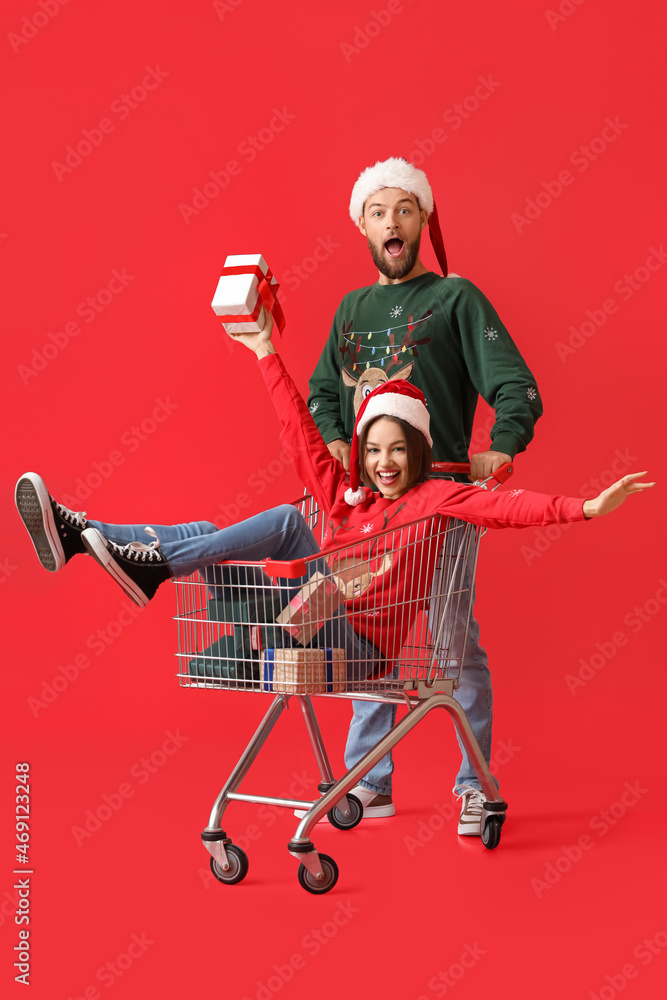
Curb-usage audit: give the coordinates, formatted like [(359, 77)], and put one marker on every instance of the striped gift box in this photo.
[(303, 671), (311, 608)]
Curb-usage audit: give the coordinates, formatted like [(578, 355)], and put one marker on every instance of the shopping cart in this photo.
[(284, 628)]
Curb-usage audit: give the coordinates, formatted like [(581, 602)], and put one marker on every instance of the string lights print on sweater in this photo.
[(355, 347)]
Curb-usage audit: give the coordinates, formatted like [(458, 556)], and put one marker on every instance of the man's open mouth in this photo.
[(394, 247)]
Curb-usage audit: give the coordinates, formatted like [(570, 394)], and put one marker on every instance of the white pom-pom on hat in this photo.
[(354, 497), (392, 173)]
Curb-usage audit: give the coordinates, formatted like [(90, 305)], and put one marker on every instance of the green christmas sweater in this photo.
[(445, 337)]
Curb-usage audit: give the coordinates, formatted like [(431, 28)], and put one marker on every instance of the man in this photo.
[(443, 335)]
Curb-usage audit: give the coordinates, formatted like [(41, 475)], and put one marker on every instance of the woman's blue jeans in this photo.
[(280, 533)]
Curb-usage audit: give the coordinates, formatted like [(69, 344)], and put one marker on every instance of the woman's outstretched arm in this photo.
[(519, 508)]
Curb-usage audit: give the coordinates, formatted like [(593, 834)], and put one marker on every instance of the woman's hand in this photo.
[(260, 343), (615, 495)]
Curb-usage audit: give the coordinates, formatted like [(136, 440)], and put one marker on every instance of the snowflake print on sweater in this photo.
[(490, 333), (396, 311), (365, 528), (531, 393)]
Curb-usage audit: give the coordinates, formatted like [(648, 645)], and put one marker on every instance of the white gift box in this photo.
[(238, 295)]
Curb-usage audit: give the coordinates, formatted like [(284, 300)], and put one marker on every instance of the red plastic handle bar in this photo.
[(451, 467), (501, 474), (290, 569)]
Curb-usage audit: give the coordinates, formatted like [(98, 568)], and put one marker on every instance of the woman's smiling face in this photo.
[(386, 458)]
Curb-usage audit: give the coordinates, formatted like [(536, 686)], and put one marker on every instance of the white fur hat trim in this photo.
[(394, 404), (392, 173)]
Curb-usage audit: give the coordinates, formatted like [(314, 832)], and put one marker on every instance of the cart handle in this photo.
[(501, 475)]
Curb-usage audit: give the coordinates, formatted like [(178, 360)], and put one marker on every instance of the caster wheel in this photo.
[(341, 822), (491, 832), (238, 866), (318, 886)]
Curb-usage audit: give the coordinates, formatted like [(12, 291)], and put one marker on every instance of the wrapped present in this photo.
[(303, 671), (245, 292), (245, 605), (224, 660), (311, 608), (251, 613)]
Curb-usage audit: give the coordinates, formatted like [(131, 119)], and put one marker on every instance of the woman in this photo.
[(391, 450)]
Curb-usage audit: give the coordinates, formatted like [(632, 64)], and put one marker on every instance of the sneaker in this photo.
[(54, 529), (375, 806), (470, 820), (138, 568)]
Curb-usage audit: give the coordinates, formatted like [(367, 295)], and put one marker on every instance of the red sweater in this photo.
[(386, 610)]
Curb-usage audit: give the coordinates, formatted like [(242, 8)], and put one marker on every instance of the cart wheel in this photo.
[(318, 886), (341, 822), (238, 866), (491, 832)]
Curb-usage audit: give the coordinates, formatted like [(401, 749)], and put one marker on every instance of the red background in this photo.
[(544, 602)]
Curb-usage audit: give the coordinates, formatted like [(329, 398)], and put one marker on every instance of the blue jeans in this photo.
[(373, 720), (280, 533)]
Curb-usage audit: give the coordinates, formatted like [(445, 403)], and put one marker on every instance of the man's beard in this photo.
[(400, 268)]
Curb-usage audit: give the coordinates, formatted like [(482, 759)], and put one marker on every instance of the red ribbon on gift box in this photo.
[(267, 295), (298, 603)]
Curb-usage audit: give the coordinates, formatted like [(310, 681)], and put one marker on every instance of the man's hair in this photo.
[(417, 448)]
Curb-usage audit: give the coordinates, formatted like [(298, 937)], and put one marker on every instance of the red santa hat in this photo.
[(399, 173), (391, 399)]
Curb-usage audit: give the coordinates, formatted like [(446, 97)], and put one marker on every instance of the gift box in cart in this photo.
[(405, 591)]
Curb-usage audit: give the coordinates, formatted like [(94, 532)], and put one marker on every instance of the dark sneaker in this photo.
[(470, 820), (138, 568), (55, 530)]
